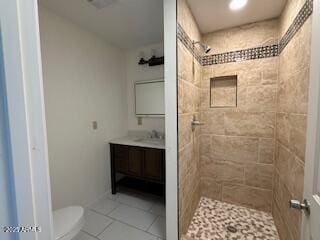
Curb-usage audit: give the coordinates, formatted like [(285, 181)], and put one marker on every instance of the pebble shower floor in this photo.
[(215, 220)]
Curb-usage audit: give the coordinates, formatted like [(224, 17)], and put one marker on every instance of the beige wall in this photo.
[(84, 81), (291, 124), (246, 36), (237, 144), (189, 75), (187, 21)]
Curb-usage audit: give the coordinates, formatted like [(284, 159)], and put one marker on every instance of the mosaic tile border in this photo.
[(303, 15), (241, 55), (188, 43), (250, 53)]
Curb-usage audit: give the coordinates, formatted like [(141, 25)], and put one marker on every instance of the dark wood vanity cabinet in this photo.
[(142, 163), (154, 164)]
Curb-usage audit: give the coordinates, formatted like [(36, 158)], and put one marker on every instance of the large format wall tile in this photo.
[(248, 196), (213, 122), (266, 150), (291, 132), (211, 188), (293, 92), (205, 146), (291, 169), (186, 157), (237, 149), (185, 131), (291, 123), (189, 97), (222, 171), (259, 175), (281, 198), (283, 229), (184, 63), (189, 81), (250, 124), (261, 98)]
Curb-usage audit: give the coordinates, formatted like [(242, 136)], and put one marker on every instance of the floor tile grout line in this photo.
[(106, 215), (116, 220), (96, 237), (152, 223), (106, 227), (151, 202), (137, 207), (119, 221), (151, 226)]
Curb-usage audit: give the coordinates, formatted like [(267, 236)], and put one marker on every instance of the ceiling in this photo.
[(213, 15), (123, 23)]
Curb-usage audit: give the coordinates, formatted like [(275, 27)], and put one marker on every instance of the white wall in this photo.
[(137, 72), (84, 81)]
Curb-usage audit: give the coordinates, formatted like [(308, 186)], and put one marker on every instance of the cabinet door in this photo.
[(121, 158), (153, 164), (135, 161)]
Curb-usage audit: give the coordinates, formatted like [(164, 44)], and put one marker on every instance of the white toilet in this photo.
[(67, 222)]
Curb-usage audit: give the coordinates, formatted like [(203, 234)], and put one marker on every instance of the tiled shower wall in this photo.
[(291, 122), (237, 143), (189, 75), (251, 155)]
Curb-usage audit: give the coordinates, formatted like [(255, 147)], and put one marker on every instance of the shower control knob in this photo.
[(296, 204)]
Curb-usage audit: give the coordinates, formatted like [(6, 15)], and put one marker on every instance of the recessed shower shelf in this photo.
[(223, 91)]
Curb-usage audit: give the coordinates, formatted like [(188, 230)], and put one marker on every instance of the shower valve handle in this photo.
[(296, 204), (197, 123)]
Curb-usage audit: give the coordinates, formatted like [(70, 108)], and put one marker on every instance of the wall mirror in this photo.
[(149, 98)]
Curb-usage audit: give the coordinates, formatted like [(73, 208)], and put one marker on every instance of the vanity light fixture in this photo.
[(153, 61), (237, 4)]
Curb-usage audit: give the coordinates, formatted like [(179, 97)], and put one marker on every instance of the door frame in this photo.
[(24, 87), (313, 122), (171, 116), (27, 133)]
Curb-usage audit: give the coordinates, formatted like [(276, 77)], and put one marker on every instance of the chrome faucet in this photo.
[(154, 134)]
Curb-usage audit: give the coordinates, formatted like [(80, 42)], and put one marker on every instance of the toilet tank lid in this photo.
[(66, 219)]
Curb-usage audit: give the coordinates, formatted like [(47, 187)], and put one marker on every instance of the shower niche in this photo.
[(223, 91)]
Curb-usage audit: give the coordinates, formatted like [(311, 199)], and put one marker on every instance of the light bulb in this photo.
[(237, 4)]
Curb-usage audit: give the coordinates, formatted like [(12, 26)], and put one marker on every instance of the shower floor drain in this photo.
[(232, 229)]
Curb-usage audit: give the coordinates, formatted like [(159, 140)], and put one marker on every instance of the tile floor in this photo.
[(124, 216), (212, 219)]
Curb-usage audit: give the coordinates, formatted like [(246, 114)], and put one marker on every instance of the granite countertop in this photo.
[(139, 141)]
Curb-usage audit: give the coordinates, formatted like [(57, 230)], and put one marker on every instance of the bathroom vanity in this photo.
[(137, 158)]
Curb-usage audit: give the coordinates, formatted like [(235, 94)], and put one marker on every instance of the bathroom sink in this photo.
[(150, 141)]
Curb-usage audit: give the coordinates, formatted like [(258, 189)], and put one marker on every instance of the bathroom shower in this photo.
[(233, 119), (206, 48)]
